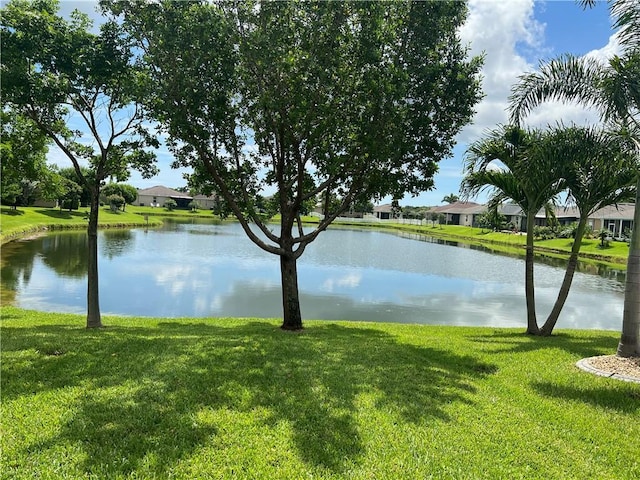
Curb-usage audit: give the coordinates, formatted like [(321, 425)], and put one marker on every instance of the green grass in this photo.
[(239, 398), (614, 256), (27, 220)]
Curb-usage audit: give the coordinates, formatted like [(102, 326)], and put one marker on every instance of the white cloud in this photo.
[(496, 28), (502, 30)]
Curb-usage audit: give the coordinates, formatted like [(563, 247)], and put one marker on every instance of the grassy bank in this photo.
[(222, 398), (614, 255), (28, 220)]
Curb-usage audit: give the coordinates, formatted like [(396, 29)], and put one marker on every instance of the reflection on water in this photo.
[(201, 269)]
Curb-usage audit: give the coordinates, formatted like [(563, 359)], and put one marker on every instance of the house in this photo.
[(565, 215), (158, 195), (385, 212), (459, 213), (618, 219)]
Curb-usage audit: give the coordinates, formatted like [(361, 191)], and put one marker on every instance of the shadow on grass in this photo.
[(143, 388), (520, 342), (61, 214), (11, 211), (624, 397)]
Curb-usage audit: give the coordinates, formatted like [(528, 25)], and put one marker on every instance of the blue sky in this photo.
[(515, 35)]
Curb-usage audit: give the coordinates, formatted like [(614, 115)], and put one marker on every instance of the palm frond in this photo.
[(500, 184), (626, 15), (567, 78)]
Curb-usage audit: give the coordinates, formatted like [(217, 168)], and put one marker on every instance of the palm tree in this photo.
[(530, 180), (597, 173), (614, 89), (451, 198)]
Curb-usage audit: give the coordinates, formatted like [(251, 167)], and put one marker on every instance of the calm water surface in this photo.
[(201, 270)]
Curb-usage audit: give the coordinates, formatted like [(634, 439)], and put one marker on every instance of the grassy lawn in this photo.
[(615, 255), (222, 398), (26, 220)]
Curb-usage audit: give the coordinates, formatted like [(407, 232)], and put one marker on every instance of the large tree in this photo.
[(363, 98), (23, 148), (597, 171), (613, 88), (77, 87), (508, 162)]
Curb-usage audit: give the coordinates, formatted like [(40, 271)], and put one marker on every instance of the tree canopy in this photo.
[(23, 148), (350, 100)]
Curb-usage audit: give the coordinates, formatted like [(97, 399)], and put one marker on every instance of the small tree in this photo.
[(433, 216), (530, 179), (491, 219), (603, 235), (441, 219), (193, 205), (70, 197), (51, 67), (170, 204), (128, 192), (115, 202)]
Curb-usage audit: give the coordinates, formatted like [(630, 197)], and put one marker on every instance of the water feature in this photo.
[(202, 269)]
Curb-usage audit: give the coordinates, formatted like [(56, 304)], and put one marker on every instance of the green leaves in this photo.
[(72, 83), (366, 97)]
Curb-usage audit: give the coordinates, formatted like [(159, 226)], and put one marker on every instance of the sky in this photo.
[(515, 35)]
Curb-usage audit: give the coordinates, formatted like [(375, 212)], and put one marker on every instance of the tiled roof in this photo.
[(624, 211), (457, 207), (383, 208), (160, 191)]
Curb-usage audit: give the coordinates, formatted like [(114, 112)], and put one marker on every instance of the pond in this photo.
[(203, 270)]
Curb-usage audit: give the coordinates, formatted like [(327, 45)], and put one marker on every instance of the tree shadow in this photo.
[(61, 214), (143, 387), (624, 397), (521, 342), (12, 212)]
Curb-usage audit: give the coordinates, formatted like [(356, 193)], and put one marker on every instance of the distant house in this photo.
[(616, 219), (158, 195), (459, 213), (384, 212)]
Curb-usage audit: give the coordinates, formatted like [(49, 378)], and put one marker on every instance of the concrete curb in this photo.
[(584, 365)]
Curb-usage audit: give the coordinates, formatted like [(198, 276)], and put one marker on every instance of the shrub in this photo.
[(543, 233), (170, 204), (115, 201)]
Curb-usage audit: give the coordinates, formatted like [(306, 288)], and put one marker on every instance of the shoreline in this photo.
[(495, 245)]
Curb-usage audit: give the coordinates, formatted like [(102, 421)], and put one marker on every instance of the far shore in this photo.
[(28, 222)]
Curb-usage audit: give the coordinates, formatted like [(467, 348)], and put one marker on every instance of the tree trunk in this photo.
[(290, 297), (552, 319), (629, 345), (93, 301), (532, 323)]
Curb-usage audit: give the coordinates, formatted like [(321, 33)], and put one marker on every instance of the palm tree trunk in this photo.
[(629, 345), (552, 319), (93, 302), (532, 322)]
